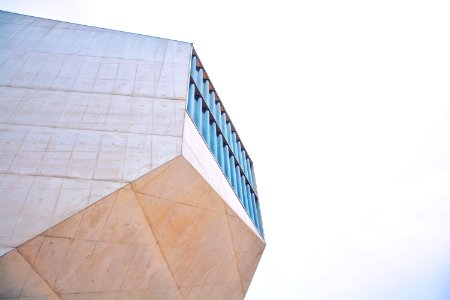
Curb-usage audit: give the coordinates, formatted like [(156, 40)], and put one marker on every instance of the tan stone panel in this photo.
[(225, 291), (157, 275), (248, 249), (67, 228), (170, 293), (212, 232), (84, 267), (126, 222), (154, 294), (30, 249), (117, 270), (224, 270), (14, 271), (153, 182), (215, 202), (161, 215), (92, 296), (183, 178), (147, 270), (179, 181), (177, 225), (36, 288), (124, 257), (18, 279), (93, 218), (196, 267), (245, 285), (51, 297), (188, 266), (116, 218), (244, 239), (186, 232), (49, 262), (247, 263), (229, 211), (190, 292), (86, 224), (206, 248), (187, 186)]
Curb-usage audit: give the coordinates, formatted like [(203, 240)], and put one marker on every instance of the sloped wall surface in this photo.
[(107, 189), (83, 112), (167, 235)]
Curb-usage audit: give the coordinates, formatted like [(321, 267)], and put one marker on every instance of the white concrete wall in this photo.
[(83, 111)]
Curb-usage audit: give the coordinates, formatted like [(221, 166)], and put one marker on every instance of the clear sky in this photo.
[(344, 107)]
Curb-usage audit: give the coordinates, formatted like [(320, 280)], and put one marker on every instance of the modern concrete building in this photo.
[(121, 173)]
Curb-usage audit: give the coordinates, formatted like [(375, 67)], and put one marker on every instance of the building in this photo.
[(122, 175)]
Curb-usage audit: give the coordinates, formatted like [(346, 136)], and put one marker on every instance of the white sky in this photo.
[(344, 107)]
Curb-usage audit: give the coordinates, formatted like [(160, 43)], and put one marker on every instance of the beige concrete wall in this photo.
[(167, 235), (83, 111), (107, 190)]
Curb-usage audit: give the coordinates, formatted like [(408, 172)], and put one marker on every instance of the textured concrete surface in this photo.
[(83, 111), (107, 190), (167, 235)]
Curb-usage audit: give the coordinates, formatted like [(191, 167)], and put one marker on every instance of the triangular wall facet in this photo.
[(147, 238), (107, 189)]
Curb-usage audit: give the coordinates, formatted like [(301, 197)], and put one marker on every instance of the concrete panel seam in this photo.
[(234, 249), (92, 92), (41, 233), (88, 130), (65, 177), (107, 217), (161, 67), (157, 241), (43, 278), (164, 164), (100, 57)]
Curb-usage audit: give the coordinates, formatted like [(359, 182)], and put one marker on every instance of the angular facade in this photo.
[(121, 174)]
